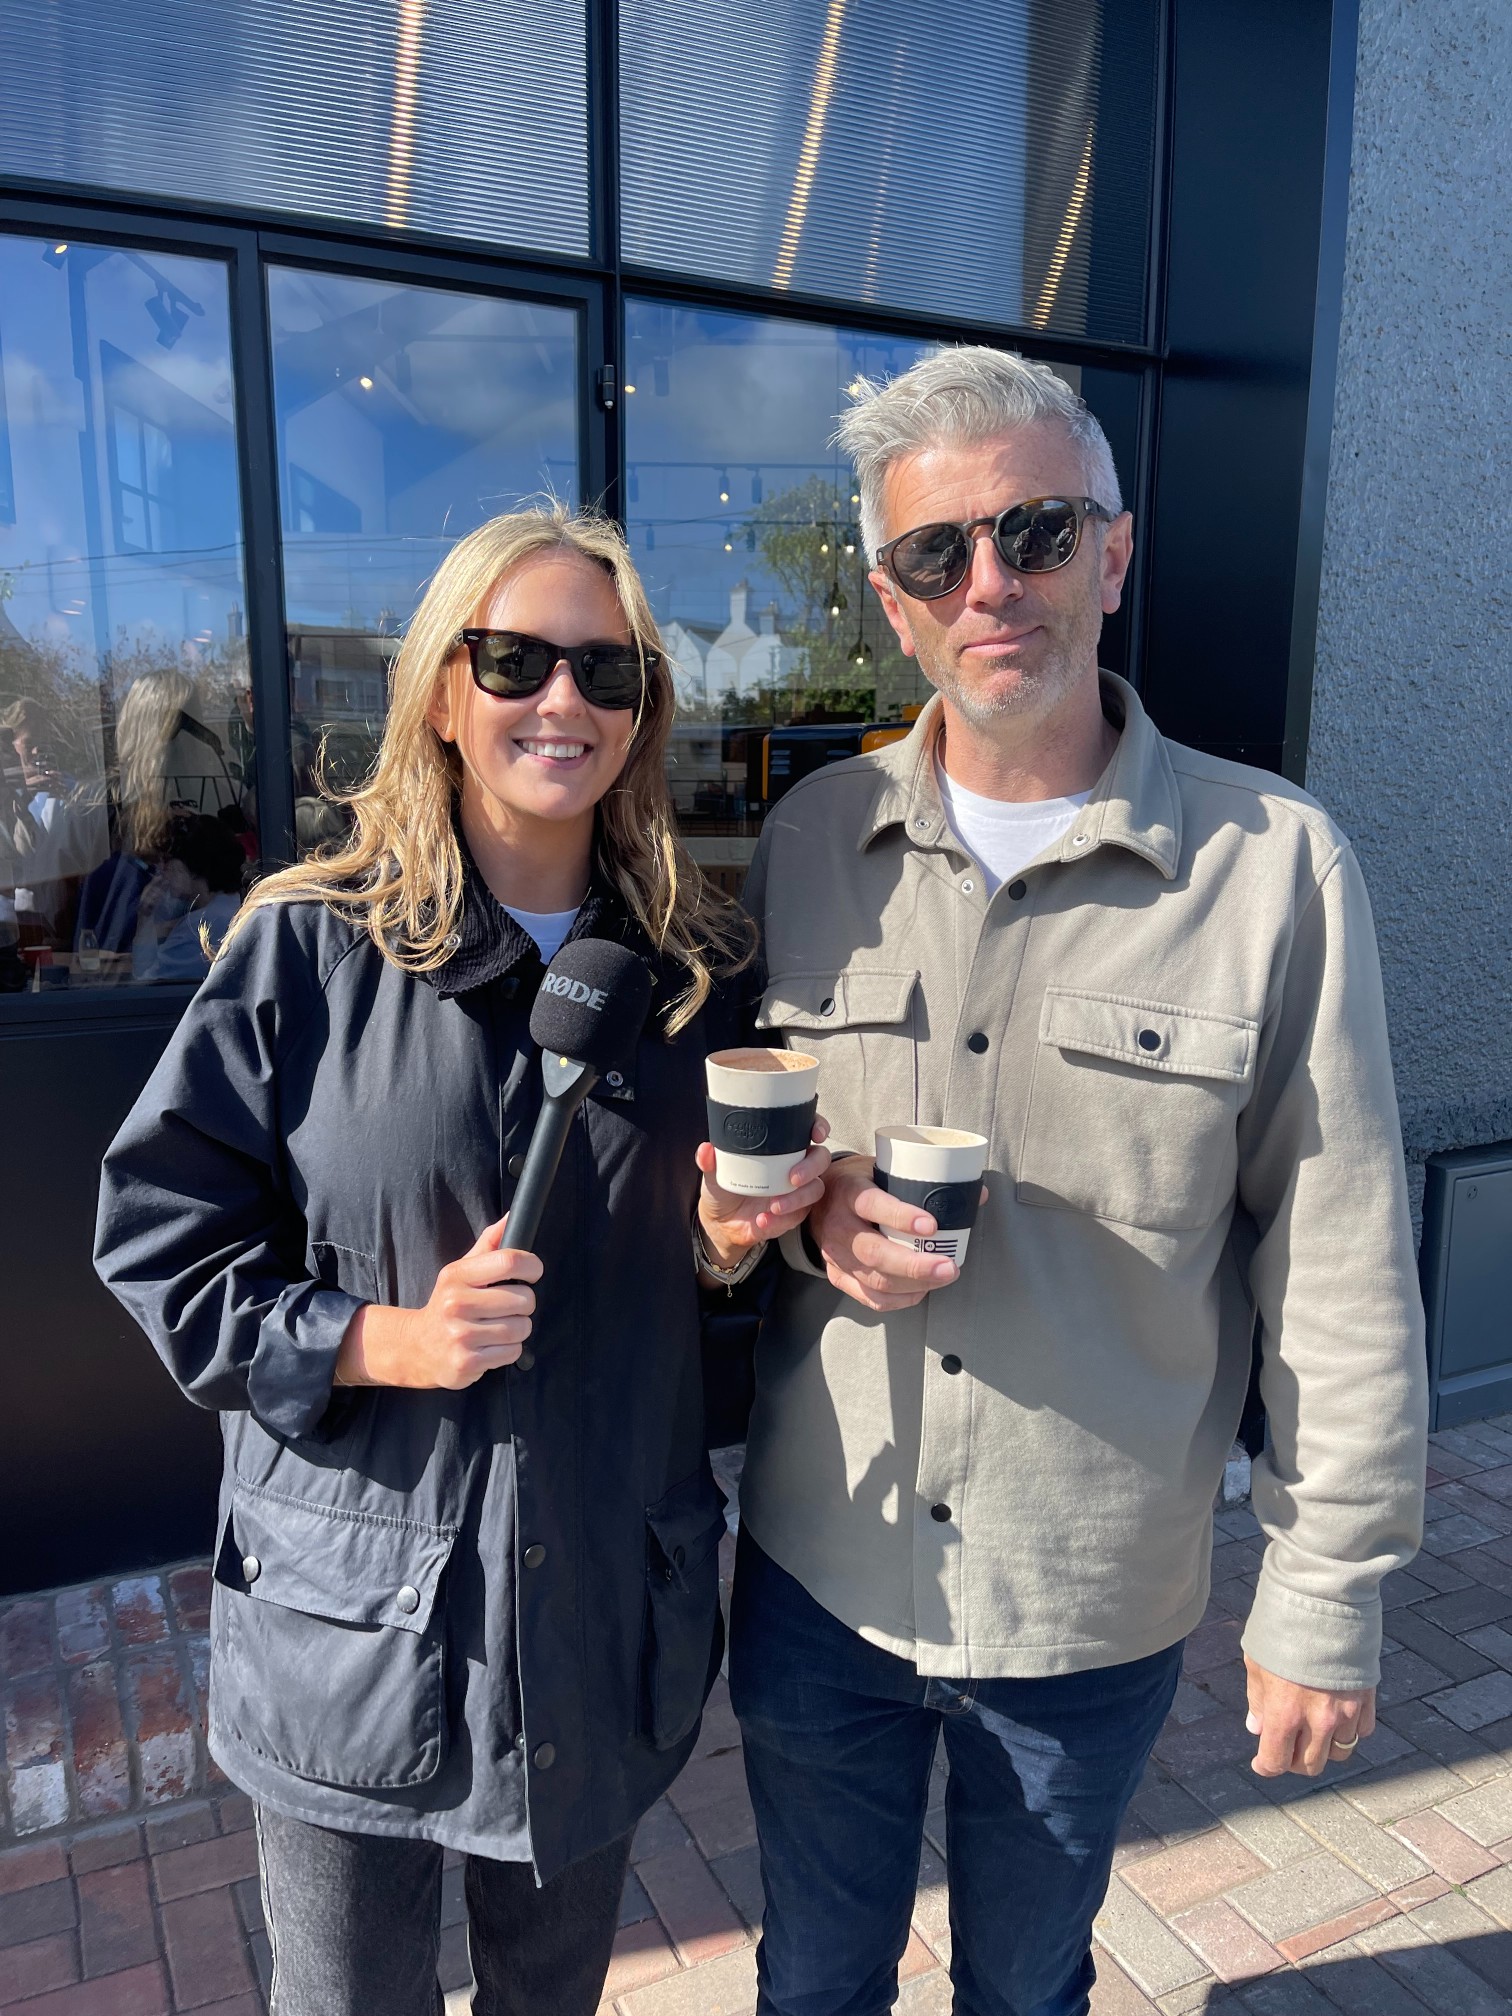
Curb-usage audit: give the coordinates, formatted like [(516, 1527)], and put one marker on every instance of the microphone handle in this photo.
[(544, 1155)]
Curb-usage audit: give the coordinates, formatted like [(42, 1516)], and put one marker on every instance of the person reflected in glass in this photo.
[(55, 826), (466, 1575), (195, 889)]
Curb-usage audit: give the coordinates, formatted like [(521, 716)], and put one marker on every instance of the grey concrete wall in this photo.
[(1411, 744)]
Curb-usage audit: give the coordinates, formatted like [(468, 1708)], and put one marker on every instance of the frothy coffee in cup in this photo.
[(762, 1105)]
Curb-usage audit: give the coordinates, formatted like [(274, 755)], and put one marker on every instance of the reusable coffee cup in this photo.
[(938, 1170), (761, 1117)]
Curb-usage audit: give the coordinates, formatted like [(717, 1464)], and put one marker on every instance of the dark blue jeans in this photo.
[(839, 1740)]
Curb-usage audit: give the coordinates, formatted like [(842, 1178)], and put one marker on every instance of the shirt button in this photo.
[(535, 1555), (525, 1360), (940, 1513), (950, 1363), (976, 1041), (1148, 1040), (251, 1567), (545, 1756), (1018, 890), (515, 1164), (827, 1005), (968, 885), (1080, 839), (408, 1600)]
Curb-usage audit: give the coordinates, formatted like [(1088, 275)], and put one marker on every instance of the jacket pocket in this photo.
[(329, 1648), (1133, 1109), (683, 1640), (862, 1023)]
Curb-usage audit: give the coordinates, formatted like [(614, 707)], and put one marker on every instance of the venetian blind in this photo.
[(463, 117), (991, 161)]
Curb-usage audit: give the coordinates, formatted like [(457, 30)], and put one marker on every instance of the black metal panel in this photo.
[(103, 1463), (1251, 93)]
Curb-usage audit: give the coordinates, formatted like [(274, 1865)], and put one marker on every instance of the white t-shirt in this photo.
[(549, 928), (1001, 835)]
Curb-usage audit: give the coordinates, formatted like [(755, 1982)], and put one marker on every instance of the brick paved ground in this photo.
[(1383, 1890)]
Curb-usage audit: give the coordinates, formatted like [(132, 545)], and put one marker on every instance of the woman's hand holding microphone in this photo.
[(478, 1317)]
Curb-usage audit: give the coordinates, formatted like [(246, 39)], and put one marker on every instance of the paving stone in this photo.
[(698, 1916), (1487, 1565), (1146, 1949), (1454, 1855), (453, 1962), (1178, 1878), (207, 1950), (1494, 1641), (1220, 1738), (141, 1991), (1173, 1813), (1266, 1830), (642, 1953), (141, 1615), (1423, 1891), (1493, 1893), (116, 1924), (39, 1965), (930, 1995), (1212, 1644), (1433, 1973), (190, 1589), (83, 1621), (635, 1905), (26, 1643), (931, 1912), (1363, 1845), (1496, 1483), (705, 1781), (1405, 1676), (1396, 1793), (1475, 1703), (917, 1958), (1402, 1587), (1358, 1984), (165, 1721), (102, 1764), (1485, 1813), (38, 1798), (739, 1876), (1135, 1838), (180, 1828), (1198, 1999), (105, 1847), (1308, 1893), (1454, 1921), (1472, 1454), (1440, 1648), (724, 1987), (659, 1830), (1302, 1945), (37, 1911), (1461, 1529), (1465, 1495), (24, 1868), (235, 1813), (1191, 1702), (1441, 1575), (1284, 1995), (1114, 1994), (1466, 1609), (724, 1826), (1431, 1733), (1231, 1946)]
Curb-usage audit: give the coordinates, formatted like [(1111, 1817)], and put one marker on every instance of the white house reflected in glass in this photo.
[(406, 417), (127, 800)]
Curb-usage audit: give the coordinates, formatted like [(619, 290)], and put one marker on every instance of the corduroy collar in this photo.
[(488, 943)]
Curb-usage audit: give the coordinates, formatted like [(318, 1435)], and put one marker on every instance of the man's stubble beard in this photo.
[(1069, 648)]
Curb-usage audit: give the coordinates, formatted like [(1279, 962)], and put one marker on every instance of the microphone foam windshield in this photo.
[(593, 1003)]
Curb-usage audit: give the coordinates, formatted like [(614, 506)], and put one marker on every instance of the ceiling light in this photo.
[(724, 486), (59, 250), (366, 383), (629, 389)]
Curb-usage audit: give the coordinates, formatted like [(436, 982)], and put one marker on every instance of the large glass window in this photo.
[(993, 162), (127, 802), (461, 117), (744, 522), (406, 416)]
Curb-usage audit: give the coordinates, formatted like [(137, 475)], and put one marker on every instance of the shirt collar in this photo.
[(487, 942), (1134, 804)]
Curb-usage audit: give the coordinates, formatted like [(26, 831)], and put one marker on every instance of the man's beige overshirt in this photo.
[(1187, 1089)]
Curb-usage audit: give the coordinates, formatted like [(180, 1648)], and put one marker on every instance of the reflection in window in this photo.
[(127, 798), (406, 416)]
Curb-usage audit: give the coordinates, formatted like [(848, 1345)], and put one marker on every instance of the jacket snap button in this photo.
[(545, 1756), (827, 1005), (534, 1556), (408, 1600), (616, 1079), (950, 1363), (251, 1567), (525, 1360), (520, 1740), (1080, 839), (1018, 890), (976, 1041), (679, 1555), (940, 1513), (515, 1164), (1148, 1040)]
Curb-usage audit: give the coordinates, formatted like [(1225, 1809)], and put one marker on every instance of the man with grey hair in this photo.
[(978, 1498)]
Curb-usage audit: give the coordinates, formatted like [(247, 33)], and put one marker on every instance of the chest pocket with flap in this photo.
[(1133, 1110), (861, 1025)]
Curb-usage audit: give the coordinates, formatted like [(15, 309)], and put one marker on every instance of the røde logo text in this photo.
[(574, 990)]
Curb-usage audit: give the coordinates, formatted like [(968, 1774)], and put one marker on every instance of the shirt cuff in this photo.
[(1311, 1641), (289, 1379)]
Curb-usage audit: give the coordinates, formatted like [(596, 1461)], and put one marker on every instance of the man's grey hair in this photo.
[(963, 396)]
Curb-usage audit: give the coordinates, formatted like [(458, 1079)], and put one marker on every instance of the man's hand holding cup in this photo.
[(886, 1250)]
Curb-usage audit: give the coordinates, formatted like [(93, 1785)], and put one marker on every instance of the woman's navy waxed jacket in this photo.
[(488, 1618)]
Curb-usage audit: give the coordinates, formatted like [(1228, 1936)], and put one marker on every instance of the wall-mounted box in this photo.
[(1467, 1283)]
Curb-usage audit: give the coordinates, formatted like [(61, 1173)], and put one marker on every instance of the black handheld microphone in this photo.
[(587, 1019)]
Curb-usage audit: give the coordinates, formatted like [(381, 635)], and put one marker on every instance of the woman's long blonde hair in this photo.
[(399, 874)]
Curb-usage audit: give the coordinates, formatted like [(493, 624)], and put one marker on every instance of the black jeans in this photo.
[(354, 1921)]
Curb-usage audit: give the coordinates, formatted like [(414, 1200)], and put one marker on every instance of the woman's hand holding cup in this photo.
[(478, 1317)]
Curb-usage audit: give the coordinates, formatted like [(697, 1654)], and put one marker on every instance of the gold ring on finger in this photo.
[(1340, 1744)]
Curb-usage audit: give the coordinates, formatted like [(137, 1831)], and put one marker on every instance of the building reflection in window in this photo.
[(406, 416), (127, 800)]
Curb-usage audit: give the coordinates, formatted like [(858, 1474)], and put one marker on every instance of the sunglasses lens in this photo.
[(614, 678), (508, 667), (1036, 539), (931, 561)]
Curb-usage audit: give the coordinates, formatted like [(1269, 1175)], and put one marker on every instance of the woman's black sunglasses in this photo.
[(1035, 537), (512, 666)]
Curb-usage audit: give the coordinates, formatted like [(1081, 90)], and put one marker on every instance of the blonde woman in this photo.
[(465, 1576)]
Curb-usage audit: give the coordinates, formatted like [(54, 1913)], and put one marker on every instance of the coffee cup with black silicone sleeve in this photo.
[(762, 1106), (938, 1170)]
